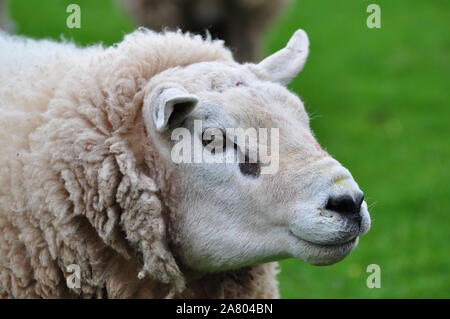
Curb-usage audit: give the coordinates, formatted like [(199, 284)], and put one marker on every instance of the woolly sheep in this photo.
[(87, 177), (240, 23)]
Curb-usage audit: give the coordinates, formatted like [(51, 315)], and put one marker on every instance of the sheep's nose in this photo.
[(347, 206)]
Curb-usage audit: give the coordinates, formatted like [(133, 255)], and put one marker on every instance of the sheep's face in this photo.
[(231, 214)]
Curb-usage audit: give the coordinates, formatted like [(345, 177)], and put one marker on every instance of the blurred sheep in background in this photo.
[(5, 22), (240, 23)]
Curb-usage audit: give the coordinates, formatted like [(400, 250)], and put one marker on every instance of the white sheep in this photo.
[(87, 178)]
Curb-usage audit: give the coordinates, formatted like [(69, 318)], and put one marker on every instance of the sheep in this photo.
[(87, 179), (240, 23)]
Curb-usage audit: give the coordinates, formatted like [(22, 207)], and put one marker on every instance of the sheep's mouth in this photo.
[(320, 254), (340, 247)]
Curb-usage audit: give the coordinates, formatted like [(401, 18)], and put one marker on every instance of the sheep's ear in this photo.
[(169, 106), (284, 65)]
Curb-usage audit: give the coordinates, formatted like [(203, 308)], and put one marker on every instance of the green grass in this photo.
[(380, 98), (101, 20), (380, 103)]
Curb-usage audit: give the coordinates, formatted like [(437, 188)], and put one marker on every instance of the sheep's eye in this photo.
[(213, 139), (250, 169)]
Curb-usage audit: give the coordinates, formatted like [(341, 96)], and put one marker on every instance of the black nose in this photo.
[(346, 206)]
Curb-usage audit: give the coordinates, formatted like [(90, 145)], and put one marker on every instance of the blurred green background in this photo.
[(379, 99)]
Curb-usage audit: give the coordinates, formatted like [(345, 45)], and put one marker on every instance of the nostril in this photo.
[(344, 205), (359, 201), (357, 218)]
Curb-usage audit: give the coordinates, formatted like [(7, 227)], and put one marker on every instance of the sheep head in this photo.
[(235, 213)]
